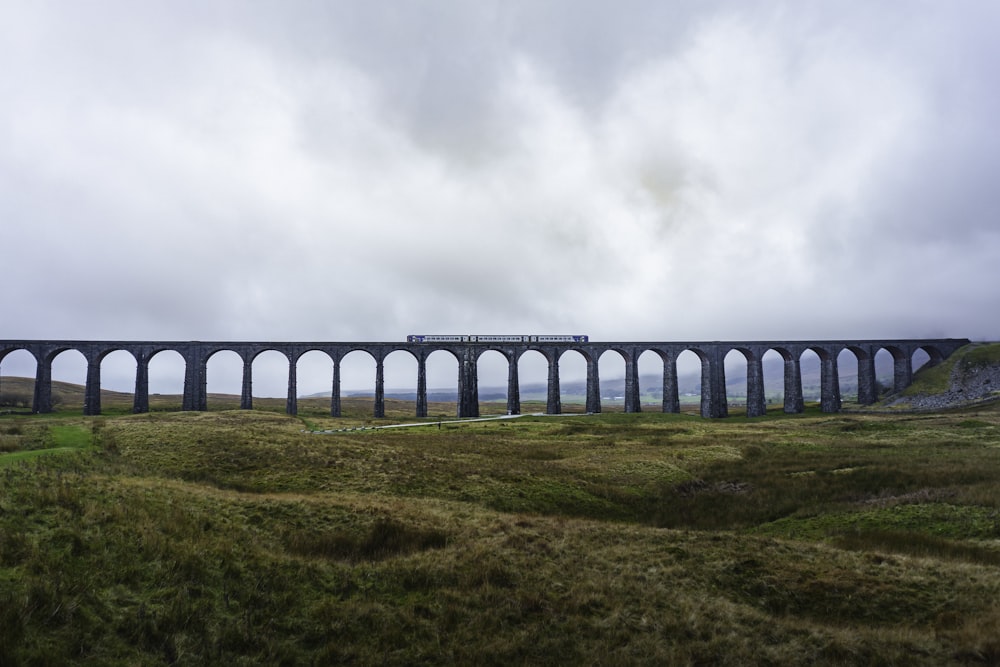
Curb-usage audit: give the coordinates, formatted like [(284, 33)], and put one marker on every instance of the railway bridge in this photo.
[(712, 354)]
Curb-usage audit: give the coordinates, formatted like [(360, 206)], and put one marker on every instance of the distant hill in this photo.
[(17, 392)]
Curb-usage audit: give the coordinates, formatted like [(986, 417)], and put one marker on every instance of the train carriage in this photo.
[(493, 338)]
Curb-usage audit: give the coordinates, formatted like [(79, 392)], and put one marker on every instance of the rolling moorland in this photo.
[(240, 537)]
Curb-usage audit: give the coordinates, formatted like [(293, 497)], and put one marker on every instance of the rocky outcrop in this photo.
[(970, 383)]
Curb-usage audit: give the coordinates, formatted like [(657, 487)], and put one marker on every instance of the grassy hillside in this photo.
[(238, 538)]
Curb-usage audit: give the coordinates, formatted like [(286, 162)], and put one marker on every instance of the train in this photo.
[(420, 338)]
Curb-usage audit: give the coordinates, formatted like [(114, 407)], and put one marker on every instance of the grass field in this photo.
[(236, 537)]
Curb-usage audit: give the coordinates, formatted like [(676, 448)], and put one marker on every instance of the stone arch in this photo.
[(669, 389), (577, 396), (445, 381), (735, 361), (829, 400), (902, 368), (748, 362), (687, 370), (119, 378), (494, 366), (310, 375), (399, 377), (654, 389), (934, 355), (884, 364), (357, 366), (21, 363), (773, 368), (271, 367), (851, 357), (68, 365), (920, 358), (614, 365), (532, 369), (791, 385), (228, 382), (161, 365)]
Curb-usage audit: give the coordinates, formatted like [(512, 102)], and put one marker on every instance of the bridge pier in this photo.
[(867, 382), (194, 380), (421, 386), (513, 386), (553, 402), (902, 372), (593, 386), (794, 403), (335, 389), (756, 402), (713, 384), (246, 390), (379, 388), (468, 384), (633, 402), (829, 383), (42, 401), (292, 397), (671, 399), (92, 390), (140, 399)]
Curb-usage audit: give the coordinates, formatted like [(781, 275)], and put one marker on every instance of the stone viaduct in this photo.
[(712, 354)]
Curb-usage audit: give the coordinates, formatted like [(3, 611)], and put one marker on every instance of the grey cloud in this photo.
[(632, 170)]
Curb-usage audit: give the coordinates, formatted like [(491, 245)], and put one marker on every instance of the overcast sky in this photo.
[(632, 170)]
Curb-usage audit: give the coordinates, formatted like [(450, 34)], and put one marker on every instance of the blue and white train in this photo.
[(419, 338)]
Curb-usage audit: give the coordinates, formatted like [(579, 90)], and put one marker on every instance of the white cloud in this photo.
[(719, 170)]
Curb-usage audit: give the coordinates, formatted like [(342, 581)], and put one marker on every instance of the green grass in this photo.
[(982, 355), (21, 443), (235, 537)]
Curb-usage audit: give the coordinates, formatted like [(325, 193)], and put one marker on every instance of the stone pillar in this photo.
[(671, 399), (421, 386), (902, 371), (92, 390), (713, 384), (140, 399), (460, 407), (513, 386), (829, 384), (756, 402), (793, 386), (292, 400), (203, 384), (632, 402), (593, 387), (553, 402), (867, 380), (194, 379), (379, 388), (335, 390), (42, 402), (246, 394), (468, 384)]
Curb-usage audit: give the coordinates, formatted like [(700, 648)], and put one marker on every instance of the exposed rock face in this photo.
[(969, 384)]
